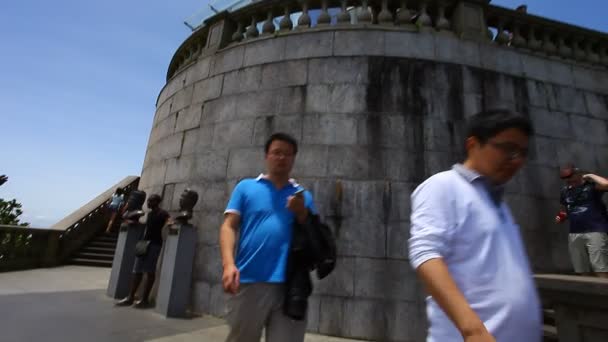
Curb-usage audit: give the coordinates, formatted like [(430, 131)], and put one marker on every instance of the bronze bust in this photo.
[(187, 201), (133, 207)]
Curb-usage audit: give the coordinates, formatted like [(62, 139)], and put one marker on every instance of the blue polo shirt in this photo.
[(266, 228)]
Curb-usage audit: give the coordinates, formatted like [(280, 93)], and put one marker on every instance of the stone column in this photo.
[(175, 279), (469, 21), (124, 259)]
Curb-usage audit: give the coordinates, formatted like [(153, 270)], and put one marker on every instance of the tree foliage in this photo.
[(10, 212)]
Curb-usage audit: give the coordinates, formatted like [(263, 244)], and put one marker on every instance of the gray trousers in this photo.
[(257, 307)]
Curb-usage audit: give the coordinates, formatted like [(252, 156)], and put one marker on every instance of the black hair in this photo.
[(118, 191), (155, 197), (489, 123), (282, 137)]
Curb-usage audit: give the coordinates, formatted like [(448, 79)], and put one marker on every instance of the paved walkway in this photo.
[(69, 304)]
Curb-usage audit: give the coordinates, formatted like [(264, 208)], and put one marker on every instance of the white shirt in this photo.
[(454, 218)]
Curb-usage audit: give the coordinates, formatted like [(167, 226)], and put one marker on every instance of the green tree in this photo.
[(10, 212)]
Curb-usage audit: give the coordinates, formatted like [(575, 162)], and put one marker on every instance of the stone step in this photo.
[(105, 239), (89, 262), (102, 244), (549, 317), (549, 333), (95, 256), (101, 250)]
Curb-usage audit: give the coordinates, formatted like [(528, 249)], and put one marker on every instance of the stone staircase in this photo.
[(98, 252), (549, 330)]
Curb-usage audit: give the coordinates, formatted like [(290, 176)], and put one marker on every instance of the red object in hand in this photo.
[(561, 216)]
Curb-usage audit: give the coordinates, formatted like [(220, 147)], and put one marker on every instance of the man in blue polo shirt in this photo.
[(261, 212)]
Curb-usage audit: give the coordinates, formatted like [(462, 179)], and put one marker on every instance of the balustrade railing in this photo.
[(466, 19), (26, 247)]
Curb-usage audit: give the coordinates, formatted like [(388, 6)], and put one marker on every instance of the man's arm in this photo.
[(440, 285), (230, 277), (601, 183)]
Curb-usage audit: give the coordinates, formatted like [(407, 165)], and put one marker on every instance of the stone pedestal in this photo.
[(124, 258), (175, 279)]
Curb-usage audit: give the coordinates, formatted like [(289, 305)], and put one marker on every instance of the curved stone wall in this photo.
[(376, 111)]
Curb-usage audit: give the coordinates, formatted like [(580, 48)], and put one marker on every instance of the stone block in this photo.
[(261, 103), (173, 85), (314, 314), (169, 147), (198, 140), (264, 51), (538, 94), (198, 71), (284, 74), (365, 319), (221, 109), (245, 162), (347, 98), (208, 89), (393, 131), (180, 169), (338, 70), (351, 161), (601, 156), (597, 105), (451, 49), (210, 165), (188, 118), (472, 104), (359, 43), (410, 45), (341, 282), (501, 59), (228, 60), (540, 182), (167, 196), (208, 224), (243, 80), (153, 174), (163, 129), (577, 152), (327, 129), (472, 80), (308, 45), (405, 321), (163, 111), (182, 98), (208, 264), (559, 72), (311, 161), (217, 301), (291, 100), (201, 292), (543, 151), (317, 98), (400, 206), (441, 136), (266, 126), (435, 162), (589, 130), (369, 199), (385, 279), (332, 313), (499, 90), (212, 197), (551, 124), (361, 237), (233, 133), (535, 67), (398, 234), (568, 100)]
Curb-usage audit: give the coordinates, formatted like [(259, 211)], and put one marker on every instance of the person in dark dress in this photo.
[(146, 263)]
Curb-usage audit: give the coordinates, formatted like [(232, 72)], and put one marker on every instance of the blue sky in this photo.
[(79, 81)]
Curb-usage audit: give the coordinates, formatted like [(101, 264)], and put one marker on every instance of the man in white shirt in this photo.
[(465, 245)]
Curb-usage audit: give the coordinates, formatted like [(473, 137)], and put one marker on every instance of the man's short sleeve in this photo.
[(237, 199), (432, 222)]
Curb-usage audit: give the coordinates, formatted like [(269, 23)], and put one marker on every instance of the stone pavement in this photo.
[(69, 304)]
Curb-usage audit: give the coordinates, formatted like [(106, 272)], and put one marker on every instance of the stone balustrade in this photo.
[(466, 19), (27, 247)]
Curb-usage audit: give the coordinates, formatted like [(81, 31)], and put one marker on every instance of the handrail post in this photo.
[(468, 20)]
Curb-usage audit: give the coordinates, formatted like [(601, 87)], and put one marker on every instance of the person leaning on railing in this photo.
[(3, 179)]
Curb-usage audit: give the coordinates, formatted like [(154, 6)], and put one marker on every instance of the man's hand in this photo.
[(296, 205), (3, 179), (231, 279)]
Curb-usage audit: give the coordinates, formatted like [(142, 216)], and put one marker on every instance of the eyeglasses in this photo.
[(513, 151), (279, 154)]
